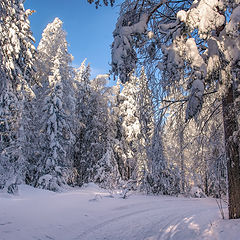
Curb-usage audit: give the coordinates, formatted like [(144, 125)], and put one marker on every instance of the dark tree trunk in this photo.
[(232, 154), (206, 183)]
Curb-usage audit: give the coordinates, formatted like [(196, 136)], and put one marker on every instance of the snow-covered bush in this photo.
[(196, 192)]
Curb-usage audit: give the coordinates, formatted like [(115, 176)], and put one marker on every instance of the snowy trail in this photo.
[(92, 214), (169, 221)]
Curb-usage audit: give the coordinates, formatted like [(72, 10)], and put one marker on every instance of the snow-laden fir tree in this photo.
[(164, 177), (135, 126), (129, 117), (56, 109), (120, 143), (94, 157), (16, 51), (106, 170), (82, 95), (53, 168), (146, 121)]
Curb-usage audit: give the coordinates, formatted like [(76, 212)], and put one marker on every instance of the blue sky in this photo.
[(89, 30)]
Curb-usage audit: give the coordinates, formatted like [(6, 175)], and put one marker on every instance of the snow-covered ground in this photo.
[(91, 213)]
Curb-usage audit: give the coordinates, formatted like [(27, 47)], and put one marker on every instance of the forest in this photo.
[(168, 126)]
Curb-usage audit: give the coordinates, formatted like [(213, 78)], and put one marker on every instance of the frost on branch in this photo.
[(124, 57)]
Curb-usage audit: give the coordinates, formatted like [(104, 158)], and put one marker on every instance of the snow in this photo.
[(150, 34), (122, 61), (194, 57), (92, 213), (233, 26), (195, 99), (213, 52), (182, 16), (206, 16)]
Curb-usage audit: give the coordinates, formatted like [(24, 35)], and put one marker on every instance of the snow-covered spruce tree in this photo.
[(57, 136), (107, 170), (118, 140), (94, 157), (146, 121), (82, 95), (164, 177), (134, 130), (16, 51), (56, 109), (130, 127), (119, 146), (195, 42)]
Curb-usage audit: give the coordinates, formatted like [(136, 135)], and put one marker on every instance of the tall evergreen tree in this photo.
[(135, 130), (164, 176), (82, 95), (146, 120), (94, 156), (56, 101), (130, 127), (16, 51)]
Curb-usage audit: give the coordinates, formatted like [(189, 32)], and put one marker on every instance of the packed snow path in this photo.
[(94, 214)]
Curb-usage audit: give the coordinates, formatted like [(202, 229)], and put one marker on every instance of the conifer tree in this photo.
[(94, 156), (164, 177), (134, 124), (107, 170), (130, 127), (56, 101), (146, 121), (119, 139), (82, 96), (16, 51)]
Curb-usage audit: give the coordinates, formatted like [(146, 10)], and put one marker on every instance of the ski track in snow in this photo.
[(163, 224), (90, 214)]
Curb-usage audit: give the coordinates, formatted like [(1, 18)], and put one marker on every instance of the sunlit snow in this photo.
[(91, 213)]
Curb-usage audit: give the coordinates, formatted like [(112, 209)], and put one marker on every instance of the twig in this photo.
[(155, 9), (220, 207)]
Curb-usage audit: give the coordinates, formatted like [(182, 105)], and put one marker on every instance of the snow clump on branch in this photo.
[(123, 55)]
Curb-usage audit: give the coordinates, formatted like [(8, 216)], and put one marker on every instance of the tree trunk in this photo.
[(232, 154), (182, 162), (206, 183)]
